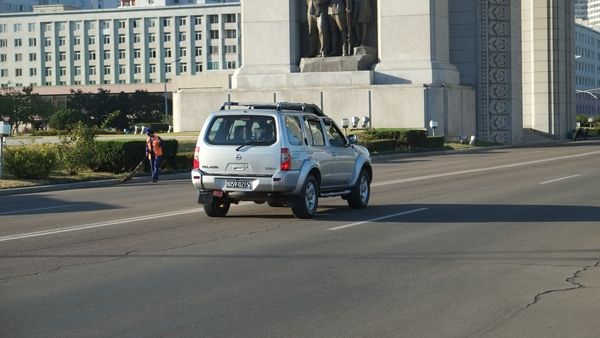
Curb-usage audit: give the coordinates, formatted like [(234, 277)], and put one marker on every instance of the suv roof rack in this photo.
[(305, 107)]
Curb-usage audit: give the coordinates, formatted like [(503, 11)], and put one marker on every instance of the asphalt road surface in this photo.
[(501, 243)]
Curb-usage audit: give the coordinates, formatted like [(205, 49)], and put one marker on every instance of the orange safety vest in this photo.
[(154, 146)]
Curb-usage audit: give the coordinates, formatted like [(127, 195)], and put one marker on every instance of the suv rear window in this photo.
[(242, 129)]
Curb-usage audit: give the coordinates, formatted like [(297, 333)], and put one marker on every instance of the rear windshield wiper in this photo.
[(249, 143)]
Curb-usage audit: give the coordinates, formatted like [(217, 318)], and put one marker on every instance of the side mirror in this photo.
[(353, 139)]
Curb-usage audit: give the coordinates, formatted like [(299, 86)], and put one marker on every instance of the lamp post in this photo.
[(165, 90)]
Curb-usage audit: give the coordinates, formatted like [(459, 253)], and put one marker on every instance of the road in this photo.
[(500, 243)]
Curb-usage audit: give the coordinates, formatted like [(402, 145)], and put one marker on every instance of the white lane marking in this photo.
[(97, 225), (471, 171), (377, 219), (36, 209), (560, 179)]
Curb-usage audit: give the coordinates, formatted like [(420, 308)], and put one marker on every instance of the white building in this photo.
[(581, 9), (67, 49), (9, 6), (587, 73)]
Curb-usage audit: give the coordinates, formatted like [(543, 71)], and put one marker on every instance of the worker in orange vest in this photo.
[(154, 152)]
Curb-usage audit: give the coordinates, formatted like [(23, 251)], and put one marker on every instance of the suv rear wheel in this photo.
[(306, 204), (359, 196), (216, 206)]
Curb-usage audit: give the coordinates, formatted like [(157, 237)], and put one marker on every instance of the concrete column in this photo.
[(413, 42), (270, 35)]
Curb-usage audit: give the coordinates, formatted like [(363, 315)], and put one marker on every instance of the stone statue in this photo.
[(362, 16), (318, 35), (339, 11)]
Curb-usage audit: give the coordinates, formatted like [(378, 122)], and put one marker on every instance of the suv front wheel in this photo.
[(305, 205), (359, 196)]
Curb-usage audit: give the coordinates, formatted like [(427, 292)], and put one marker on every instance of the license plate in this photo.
[(238, 184)]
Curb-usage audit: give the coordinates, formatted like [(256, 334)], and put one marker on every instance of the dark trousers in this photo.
[(155, 167)]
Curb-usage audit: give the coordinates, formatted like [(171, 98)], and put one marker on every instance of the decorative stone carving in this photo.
[(495, 97)]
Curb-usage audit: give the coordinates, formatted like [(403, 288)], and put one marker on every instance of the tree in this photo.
[(23, 106)]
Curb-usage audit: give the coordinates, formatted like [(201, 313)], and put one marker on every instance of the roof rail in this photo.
[(279, 106)]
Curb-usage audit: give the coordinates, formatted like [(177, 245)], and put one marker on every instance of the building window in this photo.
[(91, 25), (167, 37), (3, 72), (137, 69), (63, 71), (62, 56), (76, 26), (182, 52), (182, 21), (213, 65), (105, 24), (77, 55), (17, 27), (3, 58), (18, 43), (230, 49), (121, 23), (122, 69), (230, 33), (121, 53), (77, 70), (92, 70), (106, 39), (2, 28), (182, 36), (168, 52), (137, 38), (32, 42), (151, 38), (32, 56), (198, 51), (91, 40), (231, 65), (18, 72), (182, 67), (61, 26), (152, 68), (92, 55), (198, 67), (198, 20), (47, 27), (76, 40), (62, 41), (151, 22), (47, 42), (214, 34), (32, 71), (213, 19), (166, 22), (121, 38), (31, 27), (106, 54), (168, 68), (198, 36), (48, 57), (230, 18), (48, 71), (152, 53), (137, 53), (213, 49), (3, 43), (107, 70), (18, 57)]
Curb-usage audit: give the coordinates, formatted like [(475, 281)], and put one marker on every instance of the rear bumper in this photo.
[(281, 182)]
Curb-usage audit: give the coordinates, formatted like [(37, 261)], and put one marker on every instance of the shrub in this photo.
[(408, 138), (64, 118), (77, 148), (435, 142), (119, 156), (31, 162), (181, 161), (377, 145)]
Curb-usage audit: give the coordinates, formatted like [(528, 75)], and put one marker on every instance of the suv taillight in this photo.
[(286, 159), (196, 164)]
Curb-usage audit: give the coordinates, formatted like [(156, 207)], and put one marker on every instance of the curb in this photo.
[(88, 184)]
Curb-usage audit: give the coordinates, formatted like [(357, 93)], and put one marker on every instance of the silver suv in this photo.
[(285, 154)]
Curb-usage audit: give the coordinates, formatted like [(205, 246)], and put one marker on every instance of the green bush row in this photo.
[(31, 161), (408, 138), (123, 156), (380, 145)]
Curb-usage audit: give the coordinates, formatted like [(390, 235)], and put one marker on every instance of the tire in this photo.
[(359, 196), (306, 204), (216, 206)]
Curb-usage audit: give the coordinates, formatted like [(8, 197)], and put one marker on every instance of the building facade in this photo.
[(71, 48), (587, 79), (9, 6)]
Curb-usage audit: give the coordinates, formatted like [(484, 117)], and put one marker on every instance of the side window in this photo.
[(334, 135), (316, 132), (294, 130)]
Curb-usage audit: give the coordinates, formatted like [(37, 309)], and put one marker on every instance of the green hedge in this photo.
[(120, 156), (31, 161), (377, 145), (408, 138), (435, 142)]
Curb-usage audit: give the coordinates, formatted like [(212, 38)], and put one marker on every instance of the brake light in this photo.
[(196, 164), (286, 159)]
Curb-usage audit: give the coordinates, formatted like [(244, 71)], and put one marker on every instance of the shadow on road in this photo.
[(19, 205)]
